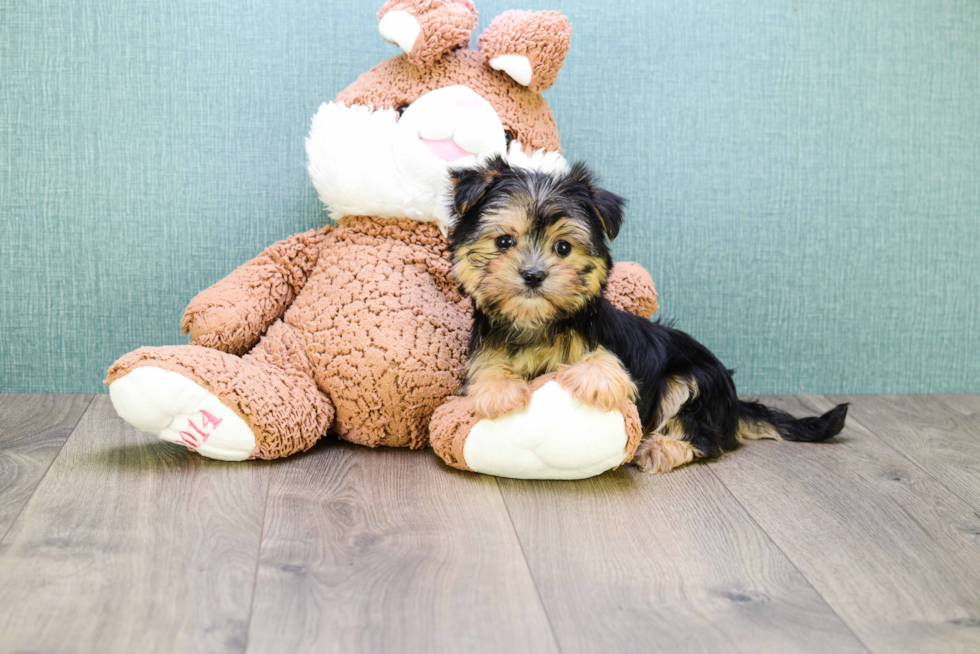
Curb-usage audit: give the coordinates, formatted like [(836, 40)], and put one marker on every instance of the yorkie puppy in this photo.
[(530, 249)]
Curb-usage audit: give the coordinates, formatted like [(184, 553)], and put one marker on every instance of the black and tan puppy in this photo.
[(530, 249)]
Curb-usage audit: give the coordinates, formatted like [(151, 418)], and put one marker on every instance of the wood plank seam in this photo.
[(131, 545), (527, 566), (914, 588), (630, 562), (914, 463), (258, 562), (789, 559), (942, 400), (88, 406)]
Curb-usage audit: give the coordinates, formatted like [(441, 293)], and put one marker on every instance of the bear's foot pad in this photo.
[(168, 405), (554, 437)]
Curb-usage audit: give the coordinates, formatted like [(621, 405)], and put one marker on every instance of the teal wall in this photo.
[(804, 176)]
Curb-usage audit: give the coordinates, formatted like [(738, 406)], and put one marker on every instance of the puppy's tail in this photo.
[(759, 421)]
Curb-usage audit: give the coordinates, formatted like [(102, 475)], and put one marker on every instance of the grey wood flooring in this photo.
[(111, 541)]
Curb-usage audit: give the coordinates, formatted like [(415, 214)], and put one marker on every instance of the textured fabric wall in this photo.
[(804, 176)]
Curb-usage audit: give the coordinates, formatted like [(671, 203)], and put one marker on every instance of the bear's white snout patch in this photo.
[(454, 124)]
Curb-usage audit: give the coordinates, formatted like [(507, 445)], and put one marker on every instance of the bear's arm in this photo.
[(630, 288), (233, 314)]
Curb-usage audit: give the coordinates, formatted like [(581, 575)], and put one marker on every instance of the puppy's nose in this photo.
[(533, 278)]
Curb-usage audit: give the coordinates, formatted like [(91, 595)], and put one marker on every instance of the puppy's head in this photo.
[(531, 247)]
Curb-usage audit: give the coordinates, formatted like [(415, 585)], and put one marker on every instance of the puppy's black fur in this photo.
[(712, 419)]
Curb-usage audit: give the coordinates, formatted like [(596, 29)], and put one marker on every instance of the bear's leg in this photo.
[(555, 437), (261, 406)]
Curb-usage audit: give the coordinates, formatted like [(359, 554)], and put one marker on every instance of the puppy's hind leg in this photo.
[(668, 444)]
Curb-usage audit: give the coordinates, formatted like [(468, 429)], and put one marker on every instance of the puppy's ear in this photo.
[(610, 207), (470, 184)]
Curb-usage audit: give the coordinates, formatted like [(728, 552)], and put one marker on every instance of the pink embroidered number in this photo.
[(202, 433)]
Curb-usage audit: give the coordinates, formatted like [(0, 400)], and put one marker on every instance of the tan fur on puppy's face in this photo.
[(492, 276)]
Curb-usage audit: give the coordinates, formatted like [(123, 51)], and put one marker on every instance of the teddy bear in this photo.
[(357, 328)]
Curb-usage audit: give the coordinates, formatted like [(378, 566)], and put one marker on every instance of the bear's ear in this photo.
[(427, 29), (528, 46)]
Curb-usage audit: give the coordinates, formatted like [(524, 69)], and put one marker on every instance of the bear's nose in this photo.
[(533, 278)]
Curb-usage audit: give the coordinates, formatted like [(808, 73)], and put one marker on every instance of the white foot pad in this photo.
[(554, 437), (171, 406)]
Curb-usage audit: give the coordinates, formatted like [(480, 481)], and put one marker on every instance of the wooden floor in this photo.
[(111, 541)]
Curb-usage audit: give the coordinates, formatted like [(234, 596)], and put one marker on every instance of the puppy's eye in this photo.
[(504, 242), (563, 248)]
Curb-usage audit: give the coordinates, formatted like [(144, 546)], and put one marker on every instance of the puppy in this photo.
[(531, 251)]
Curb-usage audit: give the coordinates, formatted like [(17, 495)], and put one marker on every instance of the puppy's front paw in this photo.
[(598, 380), (499, 396)]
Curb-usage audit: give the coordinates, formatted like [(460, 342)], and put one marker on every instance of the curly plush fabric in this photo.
[(386, 329), (542, 36), (397, 83), (271, 388), (451, 424), (372, 343), (445, 25), (631, 289), (231, 315)]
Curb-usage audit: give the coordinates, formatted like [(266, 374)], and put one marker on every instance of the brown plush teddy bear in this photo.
[(359, 329)]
